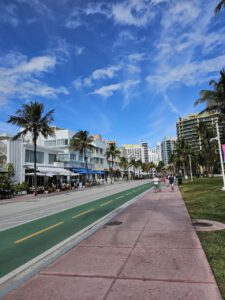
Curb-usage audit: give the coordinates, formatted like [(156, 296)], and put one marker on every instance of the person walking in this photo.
[(155, 181), (171, 182)]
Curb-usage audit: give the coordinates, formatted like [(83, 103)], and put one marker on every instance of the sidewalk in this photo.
[(151, 252), (27, 197)]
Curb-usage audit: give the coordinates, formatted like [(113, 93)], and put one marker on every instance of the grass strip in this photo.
[(205, 200)]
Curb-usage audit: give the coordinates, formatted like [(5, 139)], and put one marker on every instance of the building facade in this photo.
[(167, 147), (145, 152), (187, 128), (21, 154)]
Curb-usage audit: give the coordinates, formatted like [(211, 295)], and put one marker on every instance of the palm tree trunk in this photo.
[(185, 175), (86, 164), (112, 170), (35, 167)]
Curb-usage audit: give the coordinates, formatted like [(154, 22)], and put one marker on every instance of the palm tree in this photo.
[(179, 156), (160, 166), (214, 99), (82, 142), (30, 118), (219, 6), (124, 165), (133, 163), (139, 165), (111, 153), (208, 149)]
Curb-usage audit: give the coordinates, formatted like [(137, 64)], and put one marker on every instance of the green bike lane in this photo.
[(22, 243)]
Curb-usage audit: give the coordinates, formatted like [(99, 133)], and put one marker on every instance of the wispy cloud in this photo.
[(63, 50), (128, 12), (8, 14), (109, 90), (39, 7), (104, 73), (23, 78), (186, 49), (189, 73)]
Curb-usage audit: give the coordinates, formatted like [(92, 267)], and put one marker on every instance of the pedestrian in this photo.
[(171, 182), (164, 179), (155, 181)]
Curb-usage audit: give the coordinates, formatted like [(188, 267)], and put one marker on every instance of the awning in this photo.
[(87, 171), (55, 171)]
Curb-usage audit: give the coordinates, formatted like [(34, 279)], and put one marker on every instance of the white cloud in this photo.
[(109, 90), (8, 14), (35, 65), (136, 57), (24, 78), (63, 50), (128, 12), (105, 73), (132, 69), (188, 74), (98, 74), (40, 7), (78, 50)]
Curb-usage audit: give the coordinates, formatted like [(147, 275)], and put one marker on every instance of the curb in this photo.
[(20, 275)]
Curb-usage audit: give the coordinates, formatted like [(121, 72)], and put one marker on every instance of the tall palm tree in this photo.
[(30, 118), (111, 153), (219, 6), (180, 154), (214, 99), (124, 165), (208, 149), (82, 142)]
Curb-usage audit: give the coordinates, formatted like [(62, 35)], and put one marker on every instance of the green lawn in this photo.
[(205, 200)]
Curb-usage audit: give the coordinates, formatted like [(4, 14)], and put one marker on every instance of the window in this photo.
[(29, 156), (50, 143), (62, 142), (72, 156), (51, 158)]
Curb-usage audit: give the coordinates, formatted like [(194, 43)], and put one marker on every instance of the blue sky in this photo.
[(125, 69)]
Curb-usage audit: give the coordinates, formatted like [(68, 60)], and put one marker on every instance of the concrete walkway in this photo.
[(153, 254)]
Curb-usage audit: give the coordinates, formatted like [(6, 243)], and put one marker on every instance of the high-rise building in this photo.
[(134, 151), (167, 147), (145, 157), (153, 155), (187, 128)]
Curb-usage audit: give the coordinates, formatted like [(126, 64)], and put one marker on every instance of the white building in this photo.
[(167, 147), (98, 158), (21, 154), (135, 151)]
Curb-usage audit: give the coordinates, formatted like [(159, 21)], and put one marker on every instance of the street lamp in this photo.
[(220, 152)]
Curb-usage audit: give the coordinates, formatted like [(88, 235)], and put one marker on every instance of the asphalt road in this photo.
[(18, 212), (24, 242)]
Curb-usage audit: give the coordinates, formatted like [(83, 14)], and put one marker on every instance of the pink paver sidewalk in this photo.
[(153, 254)]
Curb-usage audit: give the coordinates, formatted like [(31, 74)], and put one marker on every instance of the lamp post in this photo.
[(189, 156), (220, 152)]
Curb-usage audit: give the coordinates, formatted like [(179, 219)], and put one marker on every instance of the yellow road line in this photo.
[(106, 203), (83, 213), (36, 233)]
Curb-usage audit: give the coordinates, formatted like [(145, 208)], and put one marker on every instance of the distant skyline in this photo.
[(124, 69)]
